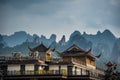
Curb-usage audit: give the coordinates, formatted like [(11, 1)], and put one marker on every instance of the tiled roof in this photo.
[(76, 51), (75, 48), (39, 48)]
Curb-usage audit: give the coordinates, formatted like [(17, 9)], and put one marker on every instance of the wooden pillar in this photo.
[(46, 69), (22, 69), (69, 69), (87, 72), (81, 71), (59, 69), (36, 67), (4, 69), (75, 70)]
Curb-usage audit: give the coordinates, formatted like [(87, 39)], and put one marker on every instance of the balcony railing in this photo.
[(55, 72), (39, 72)]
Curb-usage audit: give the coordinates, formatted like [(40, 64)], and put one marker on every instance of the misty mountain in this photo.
[(102, 42), (16, 38), (115, 55), (78, 39), (49, 41), (62, 41), (19, 37), (2, 43), (105, 37), (35, 38), (23, 48)]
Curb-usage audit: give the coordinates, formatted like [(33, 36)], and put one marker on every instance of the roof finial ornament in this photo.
[(89, 51), (98, 56)]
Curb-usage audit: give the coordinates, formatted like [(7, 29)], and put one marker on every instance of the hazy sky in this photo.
[(61, 17)]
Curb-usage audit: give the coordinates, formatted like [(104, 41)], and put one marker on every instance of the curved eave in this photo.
[(98, 56), (89, 53), (92, 56)]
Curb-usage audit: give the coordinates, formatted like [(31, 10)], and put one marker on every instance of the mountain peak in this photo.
[(53, 37), (36, 38), (84, 33), (42, 36), (76, 33), (98, 33), (108, 33), (62, 41)]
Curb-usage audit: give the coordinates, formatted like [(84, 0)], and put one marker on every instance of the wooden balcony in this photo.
[(39, 72), (52, 74)]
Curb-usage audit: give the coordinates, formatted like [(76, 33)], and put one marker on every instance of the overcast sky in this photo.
[(61, 17)]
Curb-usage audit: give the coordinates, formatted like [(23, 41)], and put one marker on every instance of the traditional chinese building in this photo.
[(73, 63)]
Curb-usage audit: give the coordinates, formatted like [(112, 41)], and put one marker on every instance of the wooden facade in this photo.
[(85, 57), (75, 63)]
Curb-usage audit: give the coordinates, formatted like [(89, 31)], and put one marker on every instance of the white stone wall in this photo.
[(29, 67), (14, 67), (54, 67), (64, 67)]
